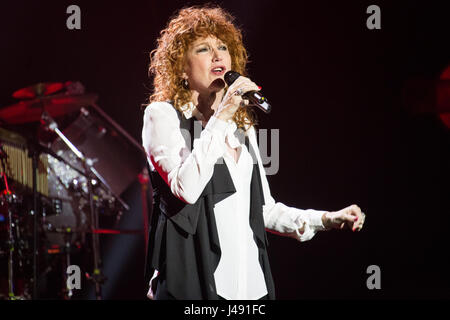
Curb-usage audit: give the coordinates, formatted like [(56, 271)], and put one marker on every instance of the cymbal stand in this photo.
[(97, 277), (68, 292), (33, 152), (11, 246)]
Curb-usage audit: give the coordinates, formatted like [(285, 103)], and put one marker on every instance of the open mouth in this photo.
[(218, 71)]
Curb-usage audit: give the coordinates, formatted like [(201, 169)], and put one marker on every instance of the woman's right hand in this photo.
[(233, 98)]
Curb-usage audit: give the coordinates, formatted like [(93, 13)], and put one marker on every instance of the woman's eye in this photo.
[(202, 49), (224, 47)]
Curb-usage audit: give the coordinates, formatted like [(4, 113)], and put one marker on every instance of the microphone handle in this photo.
[(258, 100)]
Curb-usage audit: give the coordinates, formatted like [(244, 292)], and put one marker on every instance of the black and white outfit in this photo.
[(207, 235)]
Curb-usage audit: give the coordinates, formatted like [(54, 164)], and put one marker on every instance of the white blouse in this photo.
[(239, 274)]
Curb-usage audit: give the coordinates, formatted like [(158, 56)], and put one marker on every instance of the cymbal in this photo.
[(56, 105), (38, 90)]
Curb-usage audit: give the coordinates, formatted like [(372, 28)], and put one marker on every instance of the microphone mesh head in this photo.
[(231, 76)]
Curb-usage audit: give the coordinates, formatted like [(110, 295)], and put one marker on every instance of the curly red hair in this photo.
[(167, 60)]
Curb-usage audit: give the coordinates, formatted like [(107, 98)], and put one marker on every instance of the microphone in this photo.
[(255, 97)]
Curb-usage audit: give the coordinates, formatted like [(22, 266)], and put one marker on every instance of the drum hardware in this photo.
[(22, 172), (13, 247), (67, 292), (85, 186), (5, 200), (86, 119), (34, 154), (92, 174), (32, 149)]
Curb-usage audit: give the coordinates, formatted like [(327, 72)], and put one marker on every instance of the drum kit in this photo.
[(64, 164)]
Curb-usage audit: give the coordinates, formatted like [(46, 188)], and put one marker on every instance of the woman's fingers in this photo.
[(234, 98), (242, 85), (351, 217), (358, 217), (361, 221), (244, 88), (345, 219)]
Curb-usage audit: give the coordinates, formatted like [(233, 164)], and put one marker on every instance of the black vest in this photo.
[(183, 240)]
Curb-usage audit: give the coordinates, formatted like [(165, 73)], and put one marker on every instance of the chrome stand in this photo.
[(97, 277)]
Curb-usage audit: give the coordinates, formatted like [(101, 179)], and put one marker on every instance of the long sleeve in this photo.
[(278, 217), (186, 172)]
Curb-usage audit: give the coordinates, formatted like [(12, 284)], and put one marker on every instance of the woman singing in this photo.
[(212, 202)]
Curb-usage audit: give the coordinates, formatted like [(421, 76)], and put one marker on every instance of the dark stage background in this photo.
[(345, 135)]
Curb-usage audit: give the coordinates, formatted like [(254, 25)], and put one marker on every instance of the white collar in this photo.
[(188, 109)]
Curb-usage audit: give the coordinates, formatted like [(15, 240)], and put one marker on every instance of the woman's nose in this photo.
[(216, 56)]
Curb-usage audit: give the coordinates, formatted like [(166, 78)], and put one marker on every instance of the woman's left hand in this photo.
[(351, 217)]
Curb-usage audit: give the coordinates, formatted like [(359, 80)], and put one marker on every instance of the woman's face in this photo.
[(206, 61)]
